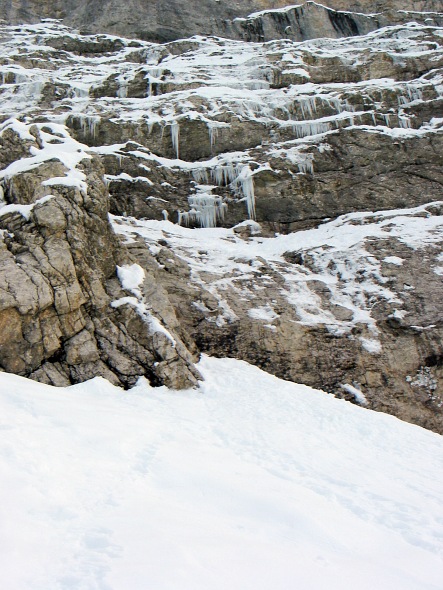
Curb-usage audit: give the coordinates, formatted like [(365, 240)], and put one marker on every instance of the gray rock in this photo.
[(58, 271), (166, 20)]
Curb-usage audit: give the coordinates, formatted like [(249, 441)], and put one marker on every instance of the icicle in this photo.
[(153, 74), (206, 210), (351, 118), (225, 174), (122, 92), (402, 101), (80, 92), (404, 122), (245, 183), (218, 175), (29, 90), (200, 175), (305, 163), (213, 134), (206, 207), (308, 106), (334, 103), (89, 124), (254, 84), (308, 128), (175, 136), (413, 94)]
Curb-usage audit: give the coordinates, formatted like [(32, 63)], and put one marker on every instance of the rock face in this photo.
[(279, 202), (167, 20), (65, 316)]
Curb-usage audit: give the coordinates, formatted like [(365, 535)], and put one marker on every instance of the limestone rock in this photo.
[(58, 262)]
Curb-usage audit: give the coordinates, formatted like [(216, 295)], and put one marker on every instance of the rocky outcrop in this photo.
[(65, 316), (312, 20), (167, 20)]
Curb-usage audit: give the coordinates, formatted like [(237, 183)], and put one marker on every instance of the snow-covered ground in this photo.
[(250, 483)]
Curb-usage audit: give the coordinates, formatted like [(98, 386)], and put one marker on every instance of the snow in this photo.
[(356, 392), (264, 313), (24, 210), (339, 251), (55, 143), (253, 227), (371, 345), (127, 177), (439, 269), (250, 483), (309, 2), (274, 10), (396, 260), (212, 82), (216, 80), (131, 276), (153, 324)]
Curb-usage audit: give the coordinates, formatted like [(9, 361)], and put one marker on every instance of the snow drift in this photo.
[(248, 483)]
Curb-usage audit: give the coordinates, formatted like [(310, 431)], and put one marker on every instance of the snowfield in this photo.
[(249, 483)]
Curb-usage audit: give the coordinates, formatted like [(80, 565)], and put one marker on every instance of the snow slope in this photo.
[(248, 483)]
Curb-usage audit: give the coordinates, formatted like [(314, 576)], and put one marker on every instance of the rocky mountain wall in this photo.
[(279, 201), (167, 20)]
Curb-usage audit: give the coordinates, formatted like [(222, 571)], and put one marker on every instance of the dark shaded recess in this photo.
[(154, 381), (297, 18), (281, 20), (160, 35), (223, 344), (343, 23), (254, 30), (78, 47), (435, 360), (57, 357), (294, 258)]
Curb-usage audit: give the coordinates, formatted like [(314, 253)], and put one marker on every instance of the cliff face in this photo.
[(279, 202), (166, 20), (63, 313)]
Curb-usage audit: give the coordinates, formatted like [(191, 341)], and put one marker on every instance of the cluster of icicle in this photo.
[(207, 209)]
